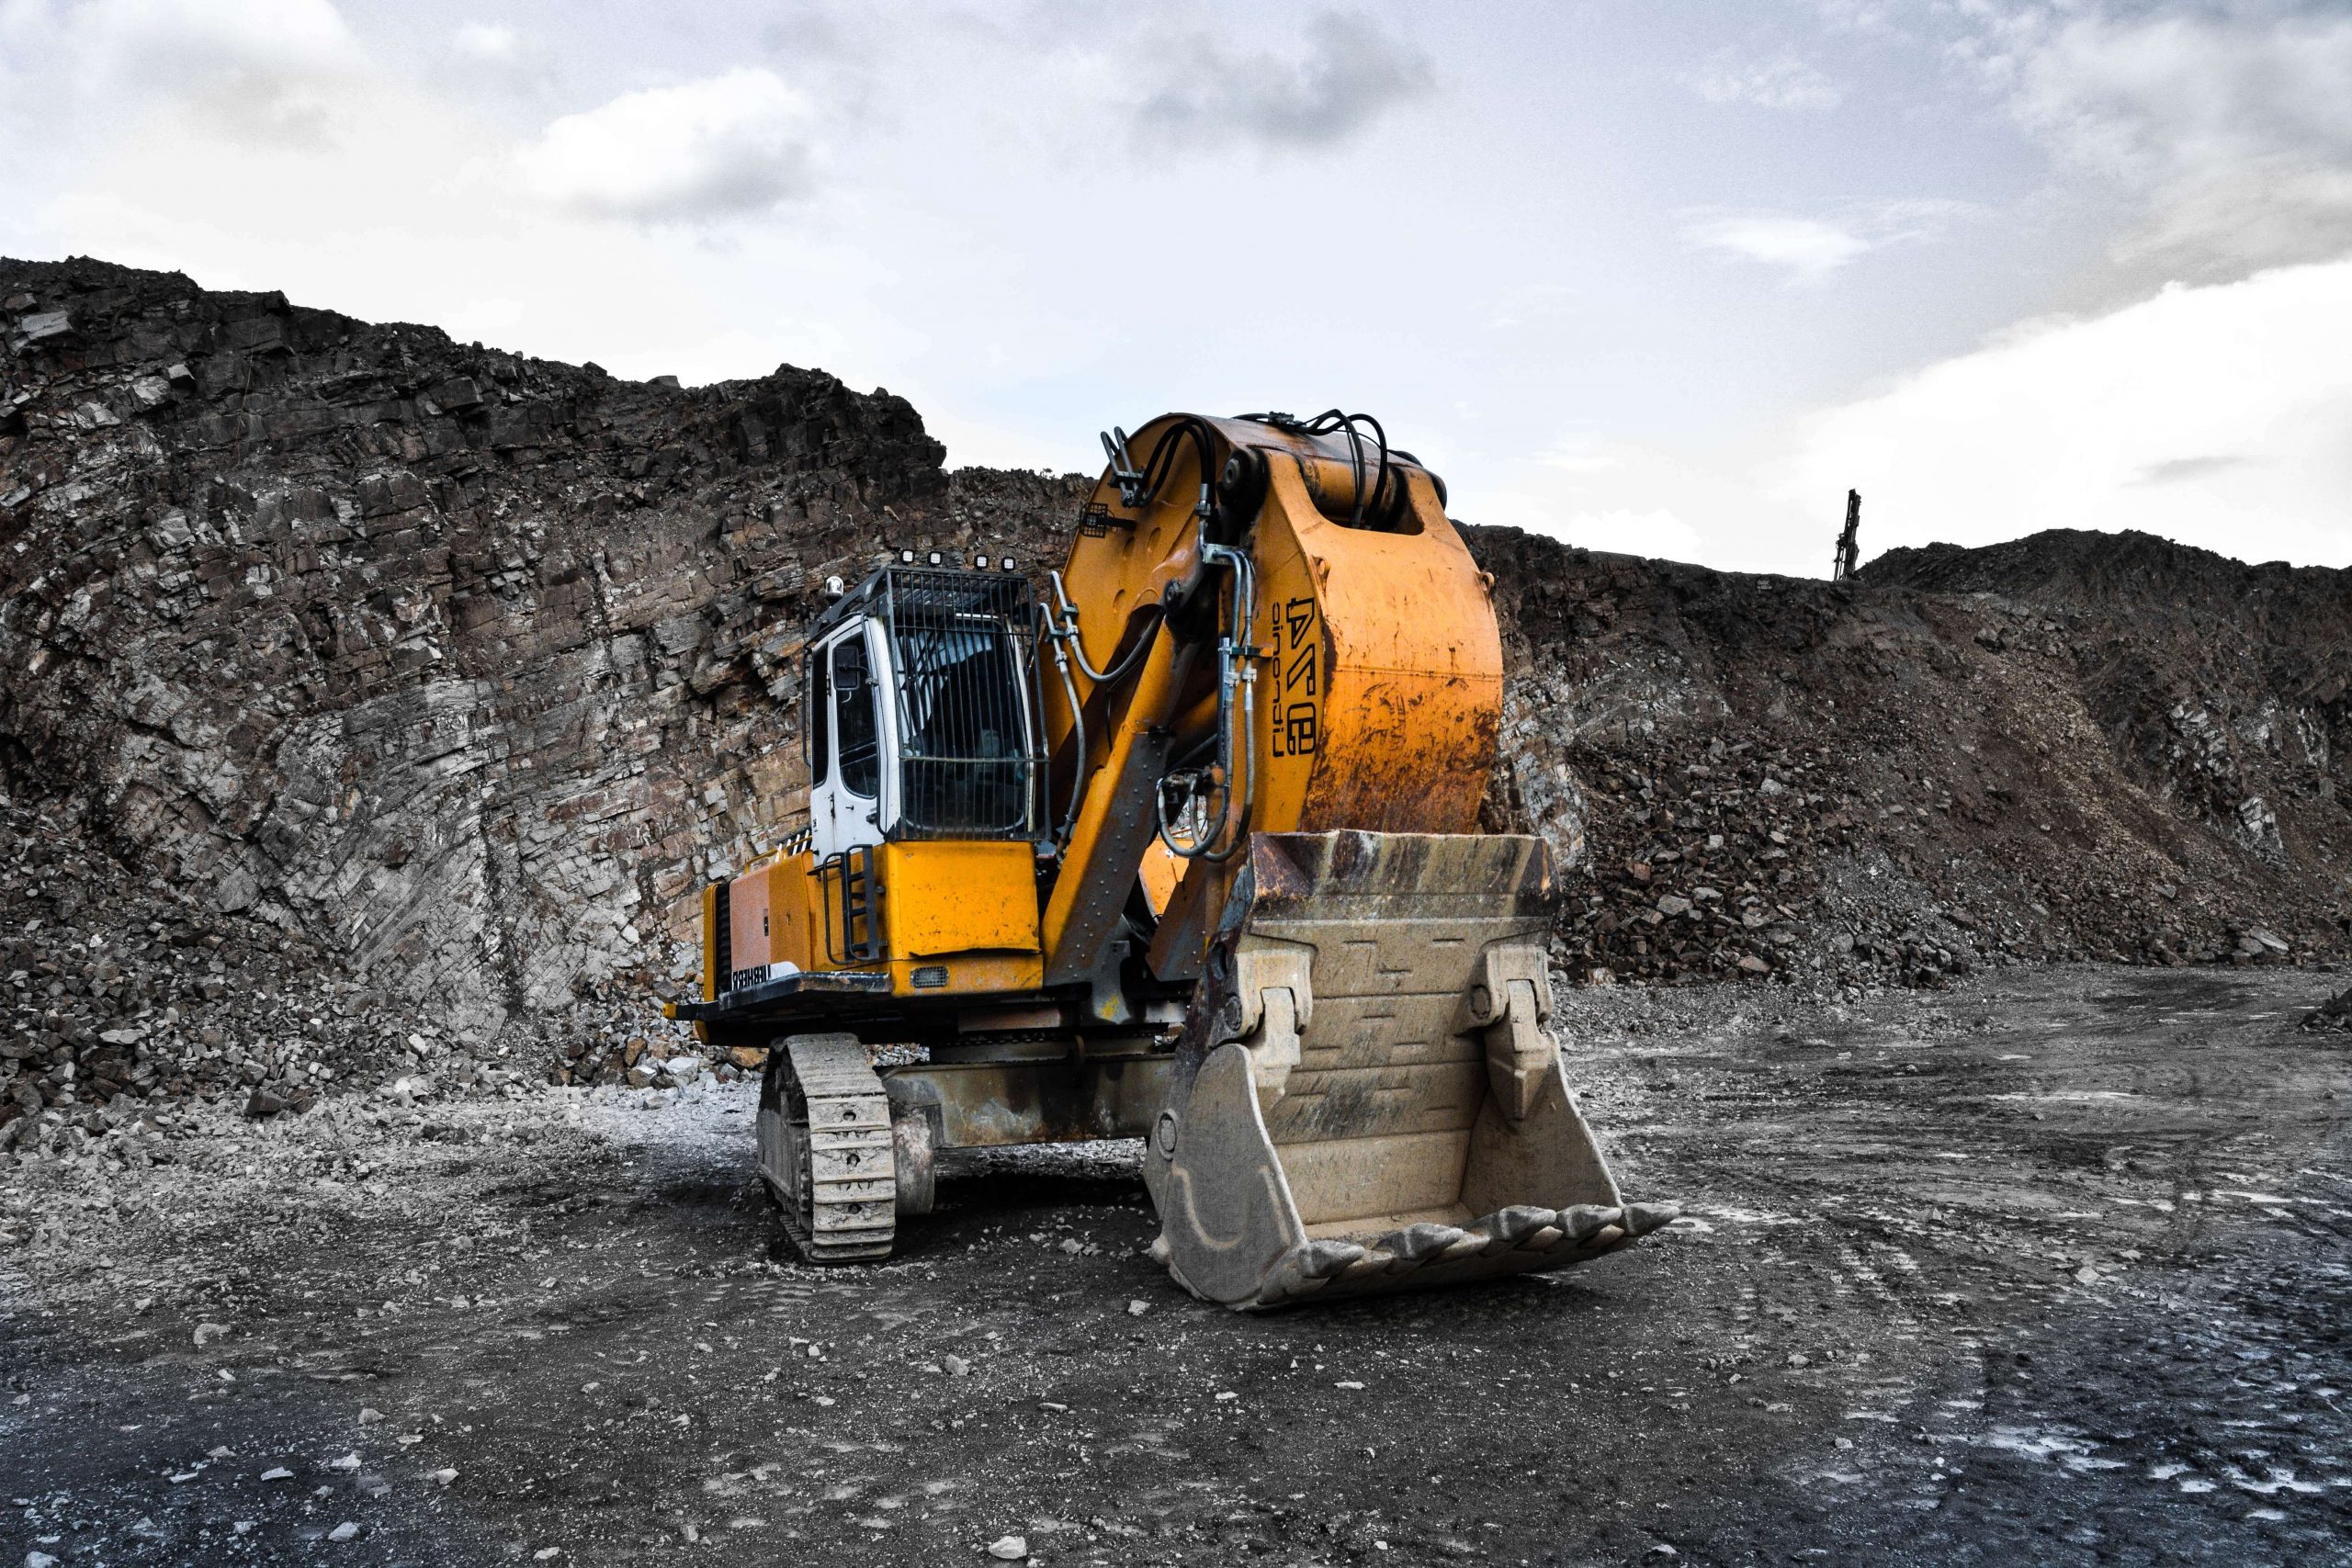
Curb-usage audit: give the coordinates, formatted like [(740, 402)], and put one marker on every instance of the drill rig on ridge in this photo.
[(1183, 851)]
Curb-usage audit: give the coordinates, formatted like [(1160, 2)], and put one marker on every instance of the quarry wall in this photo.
[(357, 685)]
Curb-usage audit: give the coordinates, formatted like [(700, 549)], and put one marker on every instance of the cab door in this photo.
[(850, 760)]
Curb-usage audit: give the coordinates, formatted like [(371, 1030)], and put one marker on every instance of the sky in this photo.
[(1662, 278)]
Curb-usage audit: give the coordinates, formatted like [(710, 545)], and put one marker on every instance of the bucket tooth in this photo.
[(1419, 1244), (1291, 1277), (1642, 1218), (1324, 1259), (1473, 1244), (1285, 1288), (1365, 1098), (1518, 1222)]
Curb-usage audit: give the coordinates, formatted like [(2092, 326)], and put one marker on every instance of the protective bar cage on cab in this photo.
[(968, 718)]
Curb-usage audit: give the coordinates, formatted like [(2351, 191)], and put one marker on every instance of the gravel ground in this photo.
[(2049, 1269)]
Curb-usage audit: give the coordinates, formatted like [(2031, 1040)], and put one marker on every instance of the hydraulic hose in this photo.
[(1067, 631), (1232, 672), (1077, 729)]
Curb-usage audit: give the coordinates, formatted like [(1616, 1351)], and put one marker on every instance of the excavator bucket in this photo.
[(1366, 1100)]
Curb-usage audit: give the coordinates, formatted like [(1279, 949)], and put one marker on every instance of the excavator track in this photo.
[(1372, 1103), (826, 1148)]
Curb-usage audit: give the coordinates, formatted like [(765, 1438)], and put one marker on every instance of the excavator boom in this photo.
[(1183, 849)]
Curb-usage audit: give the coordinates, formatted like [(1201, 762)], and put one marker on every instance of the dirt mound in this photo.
[(420, 685), (2130, 571), (2138, 757)]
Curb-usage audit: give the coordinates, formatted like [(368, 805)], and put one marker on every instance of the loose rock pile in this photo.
[(375, 705), (466, 666), (1720, 873), (615, 1037), (443, 675), (124, 995), (1886, 783)]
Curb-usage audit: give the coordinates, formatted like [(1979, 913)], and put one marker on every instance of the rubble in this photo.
[(409, 687), (573, 1317), (375, 703), (124, 998), (2034, 753)]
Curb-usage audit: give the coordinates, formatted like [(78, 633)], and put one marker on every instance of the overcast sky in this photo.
[(1661, 278)]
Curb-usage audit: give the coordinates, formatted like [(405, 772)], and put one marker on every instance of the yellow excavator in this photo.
[(1180, 845)]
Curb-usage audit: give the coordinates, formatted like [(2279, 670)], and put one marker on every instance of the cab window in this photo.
[(818, 724), (854, 716)]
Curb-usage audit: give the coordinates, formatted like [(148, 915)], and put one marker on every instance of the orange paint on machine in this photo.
[(1179, 844)]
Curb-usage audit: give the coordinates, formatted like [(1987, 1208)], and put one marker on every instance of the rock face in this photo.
[(2074, 746), (463, 665), (364, 685)]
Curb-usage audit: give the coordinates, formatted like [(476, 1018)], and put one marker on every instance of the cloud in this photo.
[(491, 42), (1348, 74), (2233, 131), (799, 31), (1551, 504), (1867, 18), (726, 146), (1629, 497), (259, 70), (2209, 414), (1657, 532), (2213, 415), (1810, 249), (1582, 454), (1628, 530), (2175, 470), (195, 46), (495, 61), (1786, 83), (409, 206)]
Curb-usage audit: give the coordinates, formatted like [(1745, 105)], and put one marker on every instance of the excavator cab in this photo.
[(1180, 845), (920, 709)]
